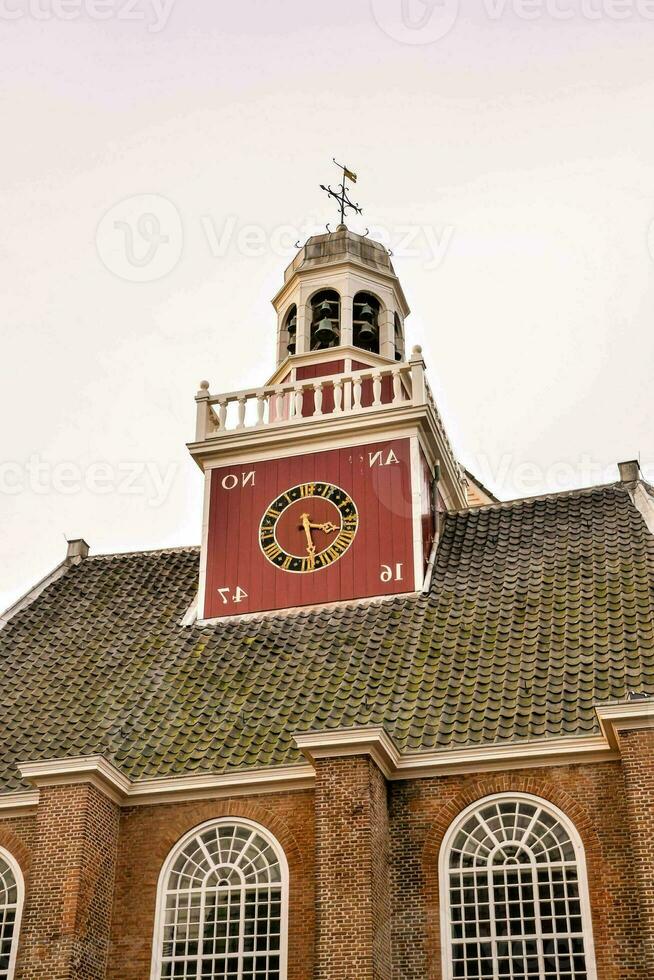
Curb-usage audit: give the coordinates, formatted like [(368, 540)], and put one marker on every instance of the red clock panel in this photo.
[(311, 529)]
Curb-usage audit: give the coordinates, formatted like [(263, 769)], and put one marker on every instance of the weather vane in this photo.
[(341, 195)]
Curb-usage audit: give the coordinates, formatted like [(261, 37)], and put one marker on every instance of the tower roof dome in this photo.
[(337, 246)]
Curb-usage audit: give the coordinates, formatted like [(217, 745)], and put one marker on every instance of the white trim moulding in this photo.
[(372, 741)]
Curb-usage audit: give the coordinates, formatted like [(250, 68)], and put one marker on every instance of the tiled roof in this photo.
[(538, 609)]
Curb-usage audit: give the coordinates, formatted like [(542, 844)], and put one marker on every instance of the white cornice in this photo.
[(208, 786), (375, 742), (332, 269), (372, 741), (94, 769), (20, 804), (138, 792), (624, 716), (510, 755)]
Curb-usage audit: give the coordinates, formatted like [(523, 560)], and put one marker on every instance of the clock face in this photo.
[(308, 527), (320, 527)]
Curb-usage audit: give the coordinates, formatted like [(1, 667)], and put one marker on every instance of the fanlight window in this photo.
[(222, 907), (366, 322), (11, 898), (290, 326), (325, 320), (516, 899)]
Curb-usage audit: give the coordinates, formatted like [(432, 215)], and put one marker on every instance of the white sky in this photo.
[(517, 153)]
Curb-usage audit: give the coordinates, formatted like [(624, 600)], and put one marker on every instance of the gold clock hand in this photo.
[(327, 527), (306, 524)]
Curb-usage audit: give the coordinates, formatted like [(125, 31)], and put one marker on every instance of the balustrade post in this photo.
[(418, 389), (376, 389), (241, 412), (279, 404), (261, 407), (397, 386), (203, 412), (317, 398), (299, 392), (222, 413), (338, 396), (356, 389)]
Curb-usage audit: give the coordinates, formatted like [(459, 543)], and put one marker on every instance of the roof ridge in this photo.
[(144, 551), (579, 491)]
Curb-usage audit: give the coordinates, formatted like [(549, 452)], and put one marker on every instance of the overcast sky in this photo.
[(505, 151)]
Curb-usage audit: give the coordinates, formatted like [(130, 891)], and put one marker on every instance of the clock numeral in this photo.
[(231, 480), (272, 550), (388, 573), (307, 489), (226, 594), (380, 458)]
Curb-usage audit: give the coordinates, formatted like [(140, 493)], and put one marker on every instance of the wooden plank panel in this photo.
[(376, 476)]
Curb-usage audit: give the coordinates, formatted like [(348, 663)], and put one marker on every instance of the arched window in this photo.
[(365, 322), (11, 907), (398, 333), (325, 319), (290, 326), (222, 906), (514, 897)]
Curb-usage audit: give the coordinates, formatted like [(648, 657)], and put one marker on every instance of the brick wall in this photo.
[(352, 862), (637, 749), (65, 928), (148, 833), (592, 796), (17, 837), (342, 893)]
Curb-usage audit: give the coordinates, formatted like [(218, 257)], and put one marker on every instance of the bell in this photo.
[(292, 325), (367, 333), (325, 332), (291, 348), (325, 308), (367, 312)]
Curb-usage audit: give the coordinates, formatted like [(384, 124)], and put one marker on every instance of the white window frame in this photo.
[(159, 919), (444, 877), (20, 889)]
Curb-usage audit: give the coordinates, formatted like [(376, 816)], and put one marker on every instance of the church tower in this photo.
[(325, 483)]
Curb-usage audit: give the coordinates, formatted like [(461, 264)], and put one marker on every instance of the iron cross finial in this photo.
[(342, 194)]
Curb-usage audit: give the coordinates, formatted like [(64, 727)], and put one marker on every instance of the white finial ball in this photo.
[(417, 349), (204, 385)]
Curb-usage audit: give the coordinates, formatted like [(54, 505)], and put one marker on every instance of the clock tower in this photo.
[(324, 484)]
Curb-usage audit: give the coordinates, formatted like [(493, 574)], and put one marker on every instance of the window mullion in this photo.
[(241, 933), (493, 926)]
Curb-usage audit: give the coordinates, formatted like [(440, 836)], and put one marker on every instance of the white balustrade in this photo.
[(370, 390)]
